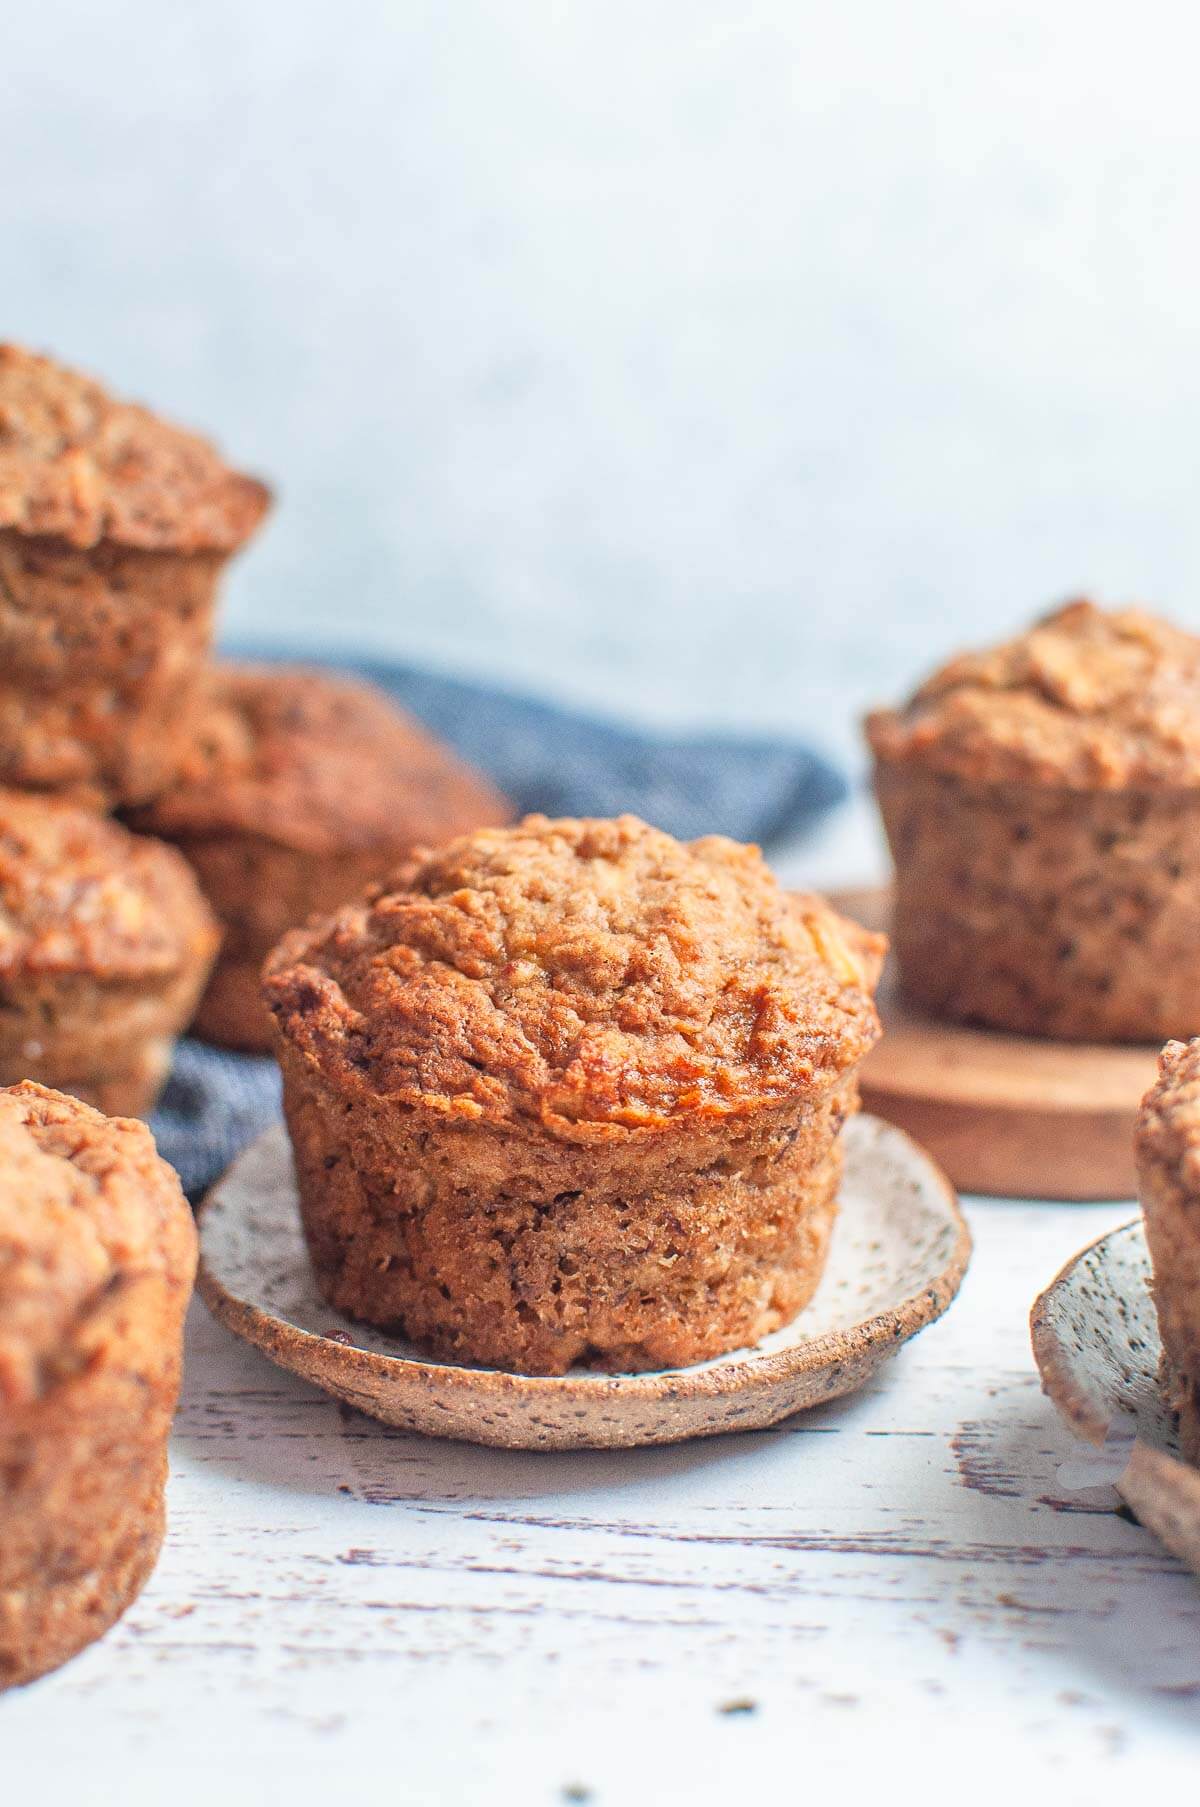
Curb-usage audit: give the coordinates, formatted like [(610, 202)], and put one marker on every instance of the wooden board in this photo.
[(1010, 1115)]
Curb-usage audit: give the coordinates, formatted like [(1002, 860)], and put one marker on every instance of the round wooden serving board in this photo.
[(1006, 1114)]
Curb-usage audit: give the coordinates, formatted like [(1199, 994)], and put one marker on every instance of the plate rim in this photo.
[(1054, 1365), (741, 1373)]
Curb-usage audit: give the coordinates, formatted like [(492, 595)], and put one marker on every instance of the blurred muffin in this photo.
[(302, 789), (1168, 1158), (97, 1255), (1042, 802), (114, 527), (105, 943), (571, 1092)]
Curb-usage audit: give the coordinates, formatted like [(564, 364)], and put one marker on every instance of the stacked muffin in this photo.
[(286, 791)]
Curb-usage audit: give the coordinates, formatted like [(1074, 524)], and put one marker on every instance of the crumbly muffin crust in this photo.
[(592, 975), (572, 1092), (80, 466), (1088, 699), (303, 787), (1168, 1157), (105, 942), (97, 1257)]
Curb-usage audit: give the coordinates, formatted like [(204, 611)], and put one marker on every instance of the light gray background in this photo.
[(706, 361)]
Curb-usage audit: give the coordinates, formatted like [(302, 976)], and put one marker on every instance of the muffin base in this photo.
[(107, 1042), (510, 1249), (1044, 911), (45, 1623), (101, 658)]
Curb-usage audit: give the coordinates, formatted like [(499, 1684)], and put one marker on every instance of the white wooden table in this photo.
[(908, 1592)]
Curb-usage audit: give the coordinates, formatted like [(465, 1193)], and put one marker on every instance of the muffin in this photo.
[(1168, 1159), (105, 944), (302, 789), (571, 1093), (1042, 801), (97, 1255), (114, 527)]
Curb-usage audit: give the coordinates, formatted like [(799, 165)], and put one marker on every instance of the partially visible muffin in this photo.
[(1042, 801), (114, 528), (105, 944), (97, 1256), (302, 789), (1168, 1158), (572, 1092)]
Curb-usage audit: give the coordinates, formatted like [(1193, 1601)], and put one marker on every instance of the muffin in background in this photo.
[(97, 1257), (302, 789), (1168, 1159), (114, 528), (571, 1092), (1042, 802), (105, 944)]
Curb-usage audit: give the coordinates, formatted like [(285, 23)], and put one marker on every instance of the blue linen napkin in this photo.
[(544, 758)]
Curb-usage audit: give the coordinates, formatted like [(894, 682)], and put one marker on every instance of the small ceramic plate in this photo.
[(898, 1256), (1096, 1343)]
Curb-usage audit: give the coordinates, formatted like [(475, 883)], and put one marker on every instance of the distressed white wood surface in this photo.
[(909, 1586)]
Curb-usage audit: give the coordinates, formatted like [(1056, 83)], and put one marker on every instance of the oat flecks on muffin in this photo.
[(581, 972), (97, 1256), (303, 787), (105, 942), (80, 466), (1168, 1157), (1088, 697), (572, 1092)]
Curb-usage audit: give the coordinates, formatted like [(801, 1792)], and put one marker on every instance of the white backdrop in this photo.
[(708, 361)]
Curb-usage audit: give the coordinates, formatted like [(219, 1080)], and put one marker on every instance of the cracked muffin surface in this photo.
[(303, 787), (581, 972), (97, 1257), (1087, 697), (572, 1092), (77, 464)]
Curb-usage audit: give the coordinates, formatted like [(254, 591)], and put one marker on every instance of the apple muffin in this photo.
[(97, 1256), (1168, 1159), (114, 528), (571, 1092), (105, 944), (1042, 802), (303, 788)]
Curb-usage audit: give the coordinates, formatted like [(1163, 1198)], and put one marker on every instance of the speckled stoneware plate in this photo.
[(899, 1253), (1096, 1343)]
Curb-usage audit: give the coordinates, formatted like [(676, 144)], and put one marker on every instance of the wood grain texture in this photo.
[(888, 1585), (1008, 1115)]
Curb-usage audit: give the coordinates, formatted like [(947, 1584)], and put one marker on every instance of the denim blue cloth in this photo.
[(544, 758)]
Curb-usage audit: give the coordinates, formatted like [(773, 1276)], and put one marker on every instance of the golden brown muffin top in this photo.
[(321, 763), (80, 466), (583, 973), (86, 1208), (81, 895), (1089, 698), (1168, 1125)]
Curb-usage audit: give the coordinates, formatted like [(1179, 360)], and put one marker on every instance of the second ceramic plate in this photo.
[(899, 1252)]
